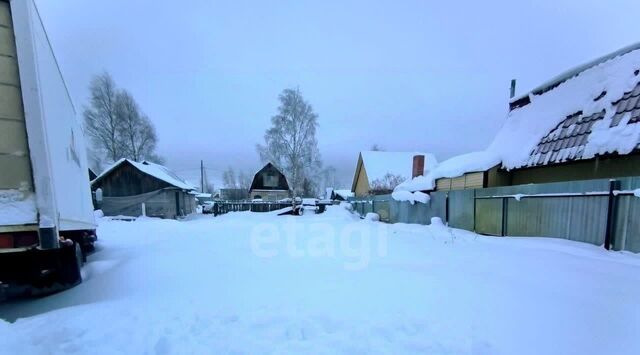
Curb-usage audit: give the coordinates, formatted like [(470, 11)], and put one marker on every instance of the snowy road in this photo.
[(256, 283)]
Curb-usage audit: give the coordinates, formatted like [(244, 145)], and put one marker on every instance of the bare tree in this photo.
[(244, 180), (386, 184), (102, 123), (240, 181), (229, 178), (291, 143), (136, 128), (328, 176), (116, 125)]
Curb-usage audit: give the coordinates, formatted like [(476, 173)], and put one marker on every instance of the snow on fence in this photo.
[(222, 207), (600, 212)]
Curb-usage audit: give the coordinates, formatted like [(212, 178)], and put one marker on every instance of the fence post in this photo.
[(505, 206), (611, 214)]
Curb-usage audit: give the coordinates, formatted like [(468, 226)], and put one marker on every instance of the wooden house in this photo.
[(269, 184), (132, 188), (583, 124)]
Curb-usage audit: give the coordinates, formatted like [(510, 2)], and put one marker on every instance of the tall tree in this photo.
[(136, 128), (116, 125), (102, 123), (291, 142)]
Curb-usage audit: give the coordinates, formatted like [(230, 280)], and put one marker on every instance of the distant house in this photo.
[(341, 195), (379, 172), (127, 185), (583, 124), (269, 184), (203, 197)]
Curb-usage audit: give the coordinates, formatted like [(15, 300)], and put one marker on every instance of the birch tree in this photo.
[(291, 144), (102, 123), (116, 125), (136, 130)]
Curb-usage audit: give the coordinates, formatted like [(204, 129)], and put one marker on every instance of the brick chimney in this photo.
[(418, 166)]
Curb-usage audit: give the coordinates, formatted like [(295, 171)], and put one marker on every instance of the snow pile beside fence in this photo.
[(411, 197)]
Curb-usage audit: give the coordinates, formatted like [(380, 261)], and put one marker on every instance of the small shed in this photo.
[(132, 188), (269, 184)]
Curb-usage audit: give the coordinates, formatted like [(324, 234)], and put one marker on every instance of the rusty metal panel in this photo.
[(461, 209), (488, 216)]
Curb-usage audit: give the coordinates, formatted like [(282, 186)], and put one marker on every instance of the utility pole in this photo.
[(202, 176)]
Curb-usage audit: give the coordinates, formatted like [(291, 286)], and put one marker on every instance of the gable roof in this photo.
[(257, 184), (158, 171), (377, 164)]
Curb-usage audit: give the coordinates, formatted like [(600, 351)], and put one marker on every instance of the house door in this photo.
[(177, 203)]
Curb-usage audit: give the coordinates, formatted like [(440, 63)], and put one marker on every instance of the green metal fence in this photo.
[(600, 212)]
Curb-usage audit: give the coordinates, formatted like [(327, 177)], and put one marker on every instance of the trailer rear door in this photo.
[(16, 185)]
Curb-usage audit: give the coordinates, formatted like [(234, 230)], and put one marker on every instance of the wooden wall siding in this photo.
[(443, 184), (473, 180), (126, 180), (457, 183), (598, 168), (362, 183), (466, 181)]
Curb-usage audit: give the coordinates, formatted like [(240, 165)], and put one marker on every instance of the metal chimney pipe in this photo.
[(513, 88)]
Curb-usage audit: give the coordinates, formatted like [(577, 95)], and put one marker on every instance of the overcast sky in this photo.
[(408, 75)]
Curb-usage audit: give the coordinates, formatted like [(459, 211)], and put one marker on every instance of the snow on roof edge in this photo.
[(158, 171), (590, 88), (570, 73)]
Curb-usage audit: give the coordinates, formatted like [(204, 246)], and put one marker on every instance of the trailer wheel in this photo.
[(72, 273)]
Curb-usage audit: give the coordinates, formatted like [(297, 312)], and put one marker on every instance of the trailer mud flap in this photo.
[(39, 272)]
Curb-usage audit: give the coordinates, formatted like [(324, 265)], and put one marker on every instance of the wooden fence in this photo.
[(222, 207)]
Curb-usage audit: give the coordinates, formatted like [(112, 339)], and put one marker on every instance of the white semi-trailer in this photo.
[(46, 212)]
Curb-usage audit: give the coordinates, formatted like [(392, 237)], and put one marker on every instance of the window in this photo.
[(270, 180)]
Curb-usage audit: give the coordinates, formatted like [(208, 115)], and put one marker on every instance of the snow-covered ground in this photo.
[(332, 283)]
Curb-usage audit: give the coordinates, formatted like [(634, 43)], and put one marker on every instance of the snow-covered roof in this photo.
[(203, 195), (453, 167), (593, 109), (158, 171), (598, 103), (344, 193), (377, 164)]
